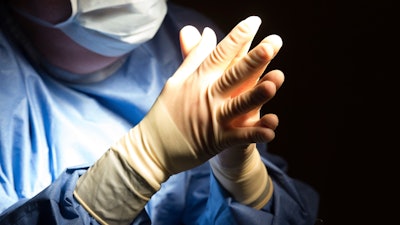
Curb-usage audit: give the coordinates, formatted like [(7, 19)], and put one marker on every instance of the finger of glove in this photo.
[(250, 100), (269, 120), (275, 76), (189, 37), (245, 73), (274, 40), (197, 54), (240, 36), (243, 52), (276, 43), (247, 135)]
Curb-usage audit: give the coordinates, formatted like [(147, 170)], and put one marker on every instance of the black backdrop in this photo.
[(336, 57)]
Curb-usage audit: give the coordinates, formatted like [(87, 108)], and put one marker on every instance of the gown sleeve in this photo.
[(293, 202), (56, 205)]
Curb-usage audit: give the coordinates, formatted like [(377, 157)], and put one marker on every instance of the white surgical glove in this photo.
[(193, 119), (239, 169)]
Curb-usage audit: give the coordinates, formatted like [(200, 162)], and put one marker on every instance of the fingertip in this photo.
[(189, 33), (256, 20), (268, 135), (207, 31), (275, 40), (189, 37), (270, 120), (188, 28), (253, 22), (276, 76), (209, 36), (280, 75)]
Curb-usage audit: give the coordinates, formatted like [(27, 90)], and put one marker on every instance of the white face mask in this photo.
[(111, 27)]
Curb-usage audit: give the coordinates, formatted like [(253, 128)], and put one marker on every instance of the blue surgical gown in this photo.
[(52, 130)]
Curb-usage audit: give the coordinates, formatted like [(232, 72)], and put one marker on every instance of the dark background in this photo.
[(334, 107)]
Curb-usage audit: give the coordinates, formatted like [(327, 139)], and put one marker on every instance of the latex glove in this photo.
[(242, 173), (240, 169), (193, 119)]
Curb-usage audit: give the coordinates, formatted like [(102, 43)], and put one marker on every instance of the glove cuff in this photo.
[(248, 183), (112, 191)]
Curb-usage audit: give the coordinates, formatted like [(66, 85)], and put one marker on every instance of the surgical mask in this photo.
[(110, 27)]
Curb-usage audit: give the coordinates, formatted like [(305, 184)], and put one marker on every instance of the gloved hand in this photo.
[(240, 169), (198, 114)]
